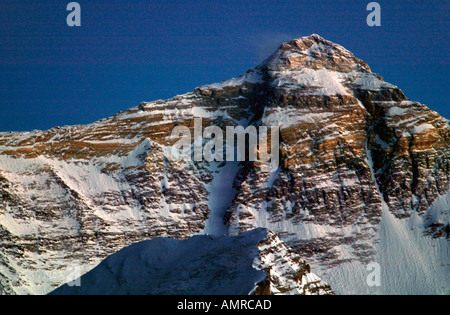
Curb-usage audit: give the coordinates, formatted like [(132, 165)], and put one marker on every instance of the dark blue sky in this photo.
[(126, 52)]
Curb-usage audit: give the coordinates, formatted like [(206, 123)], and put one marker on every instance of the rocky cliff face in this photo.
[(286, 272), (354, 152)]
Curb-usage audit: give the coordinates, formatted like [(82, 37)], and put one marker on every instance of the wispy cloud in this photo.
[(266, 43)]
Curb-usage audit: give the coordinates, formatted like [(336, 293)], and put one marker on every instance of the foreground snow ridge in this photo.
[(218, 265)]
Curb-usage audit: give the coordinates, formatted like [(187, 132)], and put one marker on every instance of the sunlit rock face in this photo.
[(358, 159)]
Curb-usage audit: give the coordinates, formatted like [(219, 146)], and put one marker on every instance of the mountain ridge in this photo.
[(201, 265)]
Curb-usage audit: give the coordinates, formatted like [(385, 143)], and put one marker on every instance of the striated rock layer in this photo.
[(358, 159)]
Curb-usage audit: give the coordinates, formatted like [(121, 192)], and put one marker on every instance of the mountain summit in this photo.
[(316, 53), (364, 178)]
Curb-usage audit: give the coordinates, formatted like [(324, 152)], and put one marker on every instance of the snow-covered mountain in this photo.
[(364, 177), (212, 265)]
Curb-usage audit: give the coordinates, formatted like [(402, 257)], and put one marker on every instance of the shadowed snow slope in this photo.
[(199, 265), (255, 262)]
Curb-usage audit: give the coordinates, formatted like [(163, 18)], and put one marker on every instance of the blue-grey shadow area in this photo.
[(201, 265)]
